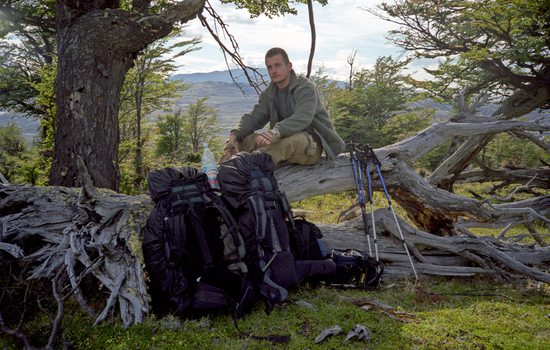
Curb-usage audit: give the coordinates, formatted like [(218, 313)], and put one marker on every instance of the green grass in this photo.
[(326, 208), (449, 314)]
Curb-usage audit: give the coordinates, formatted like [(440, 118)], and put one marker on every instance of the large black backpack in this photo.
[(265, 221), (192, 248)]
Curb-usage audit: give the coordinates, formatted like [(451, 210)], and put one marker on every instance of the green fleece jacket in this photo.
[(309, 114)]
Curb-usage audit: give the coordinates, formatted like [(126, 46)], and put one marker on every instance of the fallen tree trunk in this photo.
[(429, 207), (432, 209), (87, 234), (97, 234), (447, 256)]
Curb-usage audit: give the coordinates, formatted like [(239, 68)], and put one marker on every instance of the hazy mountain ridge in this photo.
[(220, 76), (230, 100), (226, 98), (223, 94), (28, 125)]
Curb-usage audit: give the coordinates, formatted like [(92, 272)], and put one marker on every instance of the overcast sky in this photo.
[(342, 26)]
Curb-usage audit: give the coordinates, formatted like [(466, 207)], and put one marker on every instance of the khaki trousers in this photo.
[(298, 148)]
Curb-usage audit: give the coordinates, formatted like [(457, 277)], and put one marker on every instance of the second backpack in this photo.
[(265, 222)]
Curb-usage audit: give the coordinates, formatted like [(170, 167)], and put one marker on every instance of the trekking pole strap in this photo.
[(278, 339), (356, 171), (369, 155)]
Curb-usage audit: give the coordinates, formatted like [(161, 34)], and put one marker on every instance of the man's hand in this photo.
[(267, 137), (231, 139), (230, 148)]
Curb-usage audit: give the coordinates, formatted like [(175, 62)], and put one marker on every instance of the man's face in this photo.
[(279, 72)]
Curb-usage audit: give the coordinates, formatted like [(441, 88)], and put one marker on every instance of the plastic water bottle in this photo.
[(210, 167)]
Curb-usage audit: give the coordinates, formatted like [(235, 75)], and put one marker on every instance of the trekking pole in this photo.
[(369, 181), (369, 153), (356, 165)]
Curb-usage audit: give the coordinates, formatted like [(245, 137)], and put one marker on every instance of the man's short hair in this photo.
[(277, 51)]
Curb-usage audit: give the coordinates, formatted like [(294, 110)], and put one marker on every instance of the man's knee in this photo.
[(248, 144), (298, 148)]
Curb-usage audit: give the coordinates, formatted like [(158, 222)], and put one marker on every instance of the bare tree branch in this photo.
[(256, 81), (528, 177), (313, 36), (351, 62)]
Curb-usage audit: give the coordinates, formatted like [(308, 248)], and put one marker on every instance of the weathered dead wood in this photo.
[(367, 304), (520, 103), (97, 233), (455, 256), (85, 235), (437, 134), (432, 209), (532, 177)]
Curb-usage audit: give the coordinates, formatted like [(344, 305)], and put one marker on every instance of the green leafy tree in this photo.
[(497, 48), (147, 89), (45, 99), (431, 160), (270, 8), (327, 87), (200, 125), (27, 76), (493, 46), (405, 125), (12, 147), (20, 163), (374, 98), (505, 150), (170, 143), (27, 45), (182, 134), (12, 140)]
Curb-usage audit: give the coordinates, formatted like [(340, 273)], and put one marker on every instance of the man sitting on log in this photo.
[(299, 125)]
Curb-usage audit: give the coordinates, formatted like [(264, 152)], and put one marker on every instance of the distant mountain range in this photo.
[(224, 76), (231, 99), (223, 94), (27, 125)]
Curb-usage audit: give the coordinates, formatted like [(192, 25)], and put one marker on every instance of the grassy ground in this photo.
[(442, 314)]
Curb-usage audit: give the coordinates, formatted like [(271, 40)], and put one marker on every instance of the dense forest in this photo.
[(83, 179)]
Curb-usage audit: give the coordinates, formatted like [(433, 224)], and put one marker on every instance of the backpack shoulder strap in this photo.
[(175, 237), (233, 244), (187, 198)]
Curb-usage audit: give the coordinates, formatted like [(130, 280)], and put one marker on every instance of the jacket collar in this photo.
[(293, 80), (291, 84)]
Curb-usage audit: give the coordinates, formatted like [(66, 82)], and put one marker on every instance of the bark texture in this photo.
[(97, 44)]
